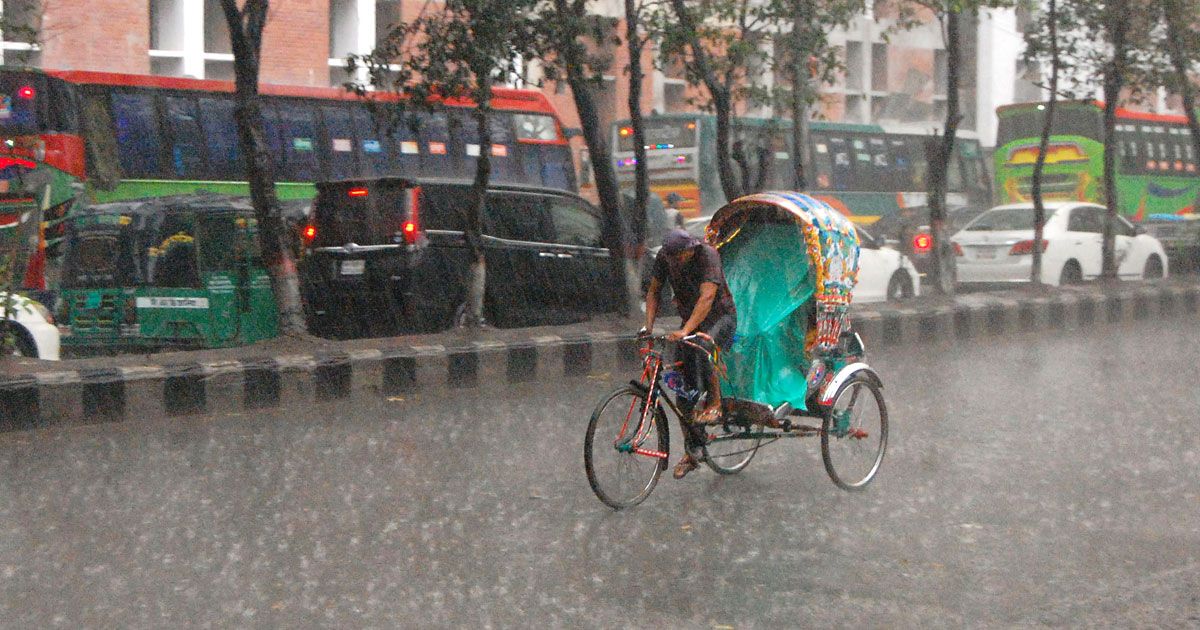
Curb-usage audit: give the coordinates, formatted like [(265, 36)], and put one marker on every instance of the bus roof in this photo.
[(760, 122), (1122, 113), (504, 98)]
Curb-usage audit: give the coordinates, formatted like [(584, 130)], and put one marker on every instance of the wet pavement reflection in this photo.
[(1029, 480)]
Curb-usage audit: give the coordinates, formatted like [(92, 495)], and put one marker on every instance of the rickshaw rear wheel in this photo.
[(854, 433)]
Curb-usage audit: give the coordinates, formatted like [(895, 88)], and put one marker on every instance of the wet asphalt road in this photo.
[(1030, 482)]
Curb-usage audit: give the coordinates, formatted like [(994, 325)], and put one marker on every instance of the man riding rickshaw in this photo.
[(788, 263)]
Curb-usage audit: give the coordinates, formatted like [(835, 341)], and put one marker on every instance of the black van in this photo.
[(387, 256)]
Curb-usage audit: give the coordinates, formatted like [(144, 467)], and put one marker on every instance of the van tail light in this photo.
[(922, 243), (412, 227), (1025, 248), (957, 249)]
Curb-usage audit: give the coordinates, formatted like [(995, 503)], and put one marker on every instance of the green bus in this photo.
[(1156, 163), (175, 272), (866, 171), (1156, 167)]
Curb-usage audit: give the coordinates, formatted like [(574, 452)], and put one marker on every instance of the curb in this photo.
[(93, 396)]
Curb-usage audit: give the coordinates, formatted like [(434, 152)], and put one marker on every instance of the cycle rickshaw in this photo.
[(795, 368)]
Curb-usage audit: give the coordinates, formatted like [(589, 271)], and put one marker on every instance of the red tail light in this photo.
[(357, 192), (310, 232), (1025, 248), (922, 243), (412, 227), (26, 91), (957, 249)]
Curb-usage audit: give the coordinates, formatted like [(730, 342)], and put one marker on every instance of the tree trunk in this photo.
[(723, 104), (637, 223), (602, 166), (1114, 79), (721, 99), (801, 11), (943, 272), (473, 221), (1171, 9), (1039, 206), (245, 33)]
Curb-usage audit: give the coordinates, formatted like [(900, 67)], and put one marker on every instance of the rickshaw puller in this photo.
[(694, 270)]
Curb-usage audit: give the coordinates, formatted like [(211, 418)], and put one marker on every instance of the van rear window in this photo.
[(371, 218)]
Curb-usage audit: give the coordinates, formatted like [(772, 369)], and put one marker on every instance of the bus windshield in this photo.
[(1068, 121), (660, 134), (20, 94)]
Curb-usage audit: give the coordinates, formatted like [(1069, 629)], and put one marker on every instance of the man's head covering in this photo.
[(678, 240), (674, 198)]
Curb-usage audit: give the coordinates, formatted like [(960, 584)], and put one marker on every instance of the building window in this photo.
[(216, 29), (854, 66), (387, 17), (19, 41), (939, 73), (879, 67)]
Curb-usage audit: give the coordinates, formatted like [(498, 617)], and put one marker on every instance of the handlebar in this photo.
[(690, 340)]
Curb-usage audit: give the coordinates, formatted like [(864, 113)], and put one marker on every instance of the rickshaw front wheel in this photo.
[(854, 433)]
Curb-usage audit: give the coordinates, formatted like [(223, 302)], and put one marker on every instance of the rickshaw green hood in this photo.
[(791, 263)]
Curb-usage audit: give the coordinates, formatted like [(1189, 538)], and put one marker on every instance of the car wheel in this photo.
[(1071, 274), (899, 287), (1154, 269), (21, 344)]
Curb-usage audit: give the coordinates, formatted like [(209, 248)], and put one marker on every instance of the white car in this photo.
[(997, 246), (32, 327), (883, 272)]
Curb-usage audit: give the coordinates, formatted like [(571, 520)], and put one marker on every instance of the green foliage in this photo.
[(720, 44), (459, 49)]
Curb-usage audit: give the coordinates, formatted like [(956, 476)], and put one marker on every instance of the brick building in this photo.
[(896, 80)]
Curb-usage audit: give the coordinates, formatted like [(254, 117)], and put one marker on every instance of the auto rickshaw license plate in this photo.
[(353, 267)]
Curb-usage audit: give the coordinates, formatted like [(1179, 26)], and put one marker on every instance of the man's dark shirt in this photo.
[(685, 279)]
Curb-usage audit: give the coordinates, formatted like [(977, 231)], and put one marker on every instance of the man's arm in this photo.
[(708, 293), (652, 303)]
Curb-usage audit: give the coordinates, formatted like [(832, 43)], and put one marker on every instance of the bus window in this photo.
[(62, 109), (20, 99), (374, 148), (954, 173), (299, 133), (339, 132), (438, 154), (273, 133), (503, 164), (822, 163), (187, 138), (224, 145), (841, 163), (138, 140), (535, 127)]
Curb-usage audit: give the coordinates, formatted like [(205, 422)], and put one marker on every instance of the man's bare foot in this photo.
[(686, 465)]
